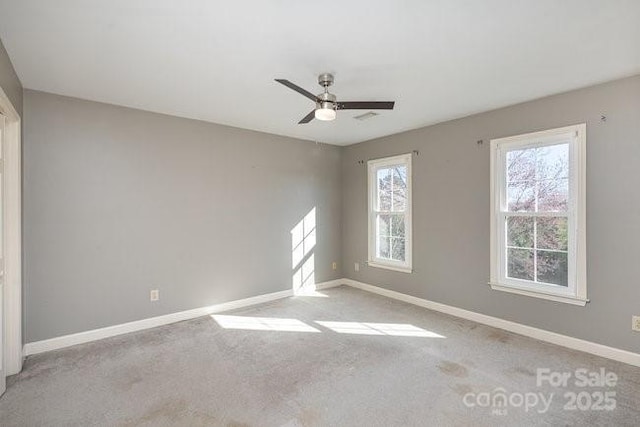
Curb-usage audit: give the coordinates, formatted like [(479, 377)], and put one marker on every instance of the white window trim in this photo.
[(373, 260), (576, 293)]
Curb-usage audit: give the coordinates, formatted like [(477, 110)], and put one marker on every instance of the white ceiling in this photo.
[(216, 60)]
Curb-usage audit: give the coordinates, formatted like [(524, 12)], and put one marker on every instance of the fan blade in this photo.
[(366, 105), (297, 88), (308, 117)]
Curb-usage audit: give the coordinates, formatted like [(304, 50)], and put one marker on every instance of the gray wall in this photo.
[(451, 212), (9, 81), (119, 201)]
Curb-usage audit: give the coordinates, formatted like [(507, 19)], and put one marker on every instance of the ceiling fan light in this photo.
[(325, 112)]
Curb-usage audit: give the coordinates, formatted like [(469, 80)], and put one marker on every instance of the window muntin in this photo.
[(390, 212), (538, 213)]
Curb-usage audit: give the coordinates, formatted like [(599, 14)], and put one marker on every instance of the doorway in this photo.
[(3, 377), (11, 354)]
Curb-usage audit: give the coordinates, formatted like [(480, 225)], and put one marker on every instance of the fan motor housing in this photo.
[(326, 100)]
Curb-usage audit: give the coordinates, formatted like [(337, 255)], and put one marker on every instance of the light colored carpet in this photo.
[(379, 363)]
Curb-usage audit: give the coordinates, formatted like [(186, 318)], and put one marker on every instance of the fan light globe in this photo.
[(325, 114)]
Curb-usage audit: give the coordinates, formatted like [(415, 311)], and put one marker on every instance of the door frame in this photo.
[(12, 232)]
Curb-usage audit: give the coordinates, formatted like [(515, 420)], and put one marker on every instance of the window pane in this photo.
[(552, 233), (552, 162), (521, 196), (397, 249), (521, 165), (383, 247), (520, 231), (384, 224), (520, 264), (397, 226), (553, 195), (538, 177), (399, 188), (384, 189), (553, 267)]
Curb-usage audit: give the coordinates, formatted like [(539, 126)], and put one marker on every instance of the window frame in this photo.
[(372, 170), (576, 291)]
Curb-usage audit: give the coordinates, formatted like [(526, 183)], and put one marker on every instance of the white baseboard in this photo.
[(518, 328), (330, 284), (529, 331), (152, 322)]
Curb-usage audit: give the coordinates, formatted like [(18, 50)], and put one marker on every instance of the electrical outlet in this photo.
[(334, 265), (635, 323), (154, 295), (356, 266)]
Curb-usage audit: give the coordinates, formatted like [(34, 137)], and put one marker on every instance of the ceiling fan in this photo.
[(327, 104)]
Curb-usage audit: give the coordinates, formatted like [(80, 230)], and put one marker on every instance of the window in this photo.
[(390, 213), (538, 214)]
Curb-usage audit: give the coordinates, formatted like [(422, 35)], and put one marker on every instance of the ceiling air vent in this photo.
[(366, 116)]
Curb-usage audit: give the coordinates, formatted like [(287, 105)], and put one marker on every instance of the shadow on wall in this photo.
[(303, 240)]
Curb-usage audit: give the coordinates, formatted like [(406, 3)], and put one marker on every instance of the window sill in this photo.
[(567, 299), (389, 267)]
